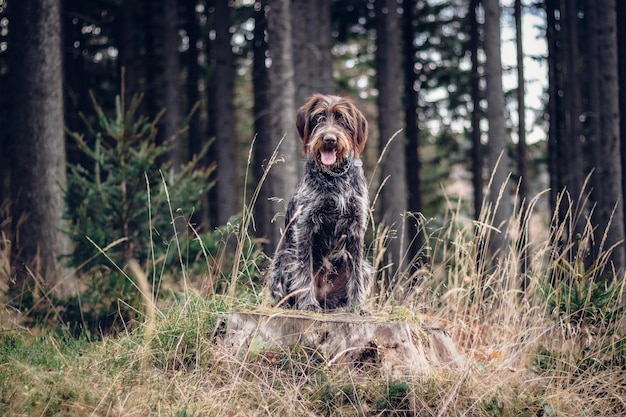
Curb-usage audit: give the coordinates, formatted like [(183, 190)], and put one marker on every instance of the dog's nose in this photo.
[(330, 139)]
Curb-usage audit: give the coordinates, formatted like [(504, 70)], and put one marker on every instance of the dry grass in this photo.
[(526, 354)]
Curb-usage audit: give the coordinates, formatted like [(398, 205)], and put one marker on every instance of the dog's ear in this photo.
[(303, 121), (360, 132)]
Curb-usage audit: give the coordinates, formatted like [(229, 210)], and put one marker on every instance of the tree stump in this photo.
[(397, 348)]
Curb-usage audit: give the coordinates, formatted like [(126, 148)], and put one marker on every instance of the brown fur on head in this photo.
[(329, 128)]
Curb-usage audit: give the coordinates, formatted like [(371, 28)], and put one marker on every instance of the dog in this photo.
[(319, 263)]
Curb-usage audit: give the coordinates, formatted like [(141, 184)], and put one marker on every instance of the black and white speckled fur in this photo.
[(319, 262)]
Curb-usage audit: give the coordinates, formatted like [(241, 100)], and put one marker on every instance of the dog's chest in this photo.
[(327, 208), (330, 202)]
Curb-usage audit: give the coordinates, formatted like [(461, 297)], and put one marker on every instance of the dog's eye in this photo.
[(317, 119), (343, 120)]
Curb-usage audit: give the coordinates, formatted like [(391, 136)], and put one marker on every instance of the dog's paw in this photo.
[(361, 310), (364, 312), (277, 291)]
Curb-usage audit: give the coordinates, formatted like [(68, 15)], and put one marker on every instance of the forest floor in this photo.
[(554, 350), (177, 369)]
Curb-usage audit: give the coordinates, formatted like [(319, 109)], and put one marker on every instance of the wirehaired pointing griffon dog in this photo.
[(319, 262)]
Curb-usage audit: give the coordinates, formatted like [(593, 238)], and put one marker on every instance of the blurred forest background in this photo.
[(220, 82)]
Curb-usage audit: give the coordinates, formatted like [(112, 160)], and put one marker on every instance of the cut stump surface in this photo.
[(398, 348)]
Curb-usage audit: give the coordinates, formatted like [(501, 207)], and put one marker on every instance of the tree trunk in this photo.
[(212, 99), (592, 111), (5, 142), (171, 75), (413, 165), (621, 44), (197, 139), (39, 165), (224, 117), (393, 347), (554, 103), (477, 147), (522, 169), (393, 196), (498, 158), (282, 177), (262, 146), (312, 44), (607, 180), (571, 152), (193, 77)]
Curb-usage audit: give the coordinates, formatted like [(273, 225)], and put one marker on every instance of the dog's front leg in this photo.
[(360, 281), (359, 289), (303, 285)]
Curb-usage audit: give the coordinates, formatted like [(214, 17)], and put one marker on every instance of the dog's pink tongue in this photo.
[(328, 157)]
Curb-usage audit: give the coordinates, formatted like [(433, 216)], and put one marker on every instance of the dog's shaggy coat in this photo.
[(319, 261)]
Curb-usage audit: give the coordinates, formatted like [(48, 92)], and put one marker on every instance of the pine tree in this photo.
[(126, 205)]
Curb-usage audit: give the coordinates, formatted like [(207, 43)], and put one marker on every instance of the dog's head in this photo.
[(329, 128)]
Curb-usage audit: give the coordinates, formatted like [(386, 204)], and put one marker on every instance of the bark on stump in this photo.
[(396, 348)]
